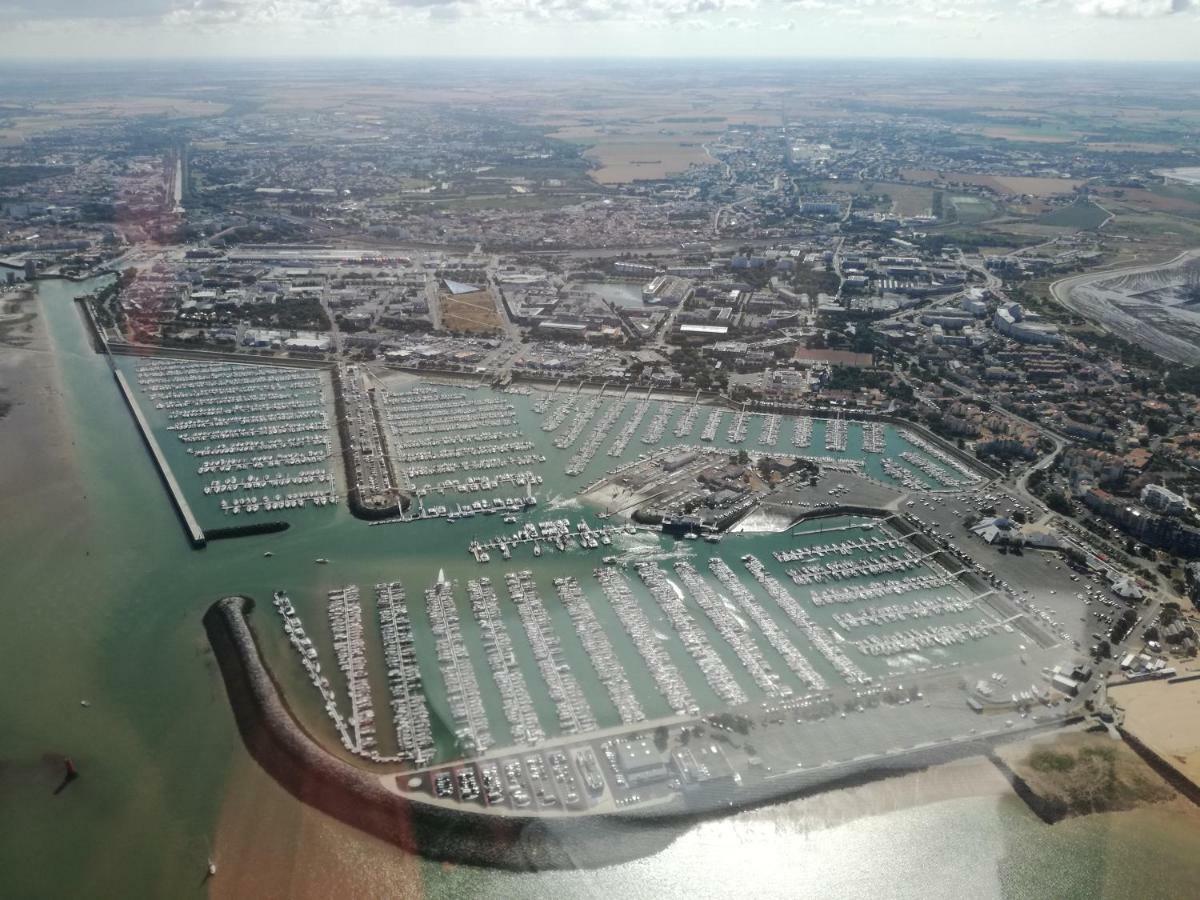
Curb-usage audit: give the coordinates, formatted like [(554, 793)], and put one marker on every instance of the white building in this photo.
[(1011, 320), (1159, 499)]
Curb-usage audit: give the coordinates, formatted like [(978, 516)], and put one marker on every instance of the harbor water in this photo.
[(103, 598)]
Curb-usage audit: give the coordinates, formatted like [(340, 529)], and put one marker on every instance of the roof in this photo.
[(460, 287), (638, 754), (705, 329), (997, 529), (1127, 587)]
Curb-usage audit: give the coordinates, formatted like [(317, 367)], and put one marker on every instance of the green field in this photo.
[(1078, 215), (970, 210)]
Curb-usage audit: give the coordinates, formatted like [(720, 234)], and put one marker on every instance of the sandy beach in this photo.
[(35, 451), (269, 845), (1165, 717)]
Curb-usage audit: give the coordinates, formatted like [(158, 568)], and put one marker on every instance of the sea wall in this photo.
[(495, 839), (1048, 809), (1162, 767), (236, 531), (190, 525)]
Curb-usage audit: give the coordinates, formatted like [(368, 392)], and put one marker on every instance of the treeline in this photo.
[(299, 314), (14, 176)]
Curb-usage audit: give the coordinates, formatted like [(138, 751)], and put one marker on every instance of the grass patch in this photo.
[(1084, 774), (969, 210), (1049, 761), (1084, 214)]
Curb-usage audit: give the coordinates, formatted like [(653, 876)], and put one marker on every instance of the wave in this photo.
[(558, 501)]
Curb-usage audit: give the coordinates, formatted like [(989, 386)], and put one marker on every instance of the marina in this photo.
[(518, 706), (670, 599), (658, 425), (574, 713), (802, 432), (817, 636), (733, 629), (410, 714), (600, 651), (587, 648), (307, 655), (221, 418), (350, 649), (767, 625), (568, 651), (462, 689), (637, 625)]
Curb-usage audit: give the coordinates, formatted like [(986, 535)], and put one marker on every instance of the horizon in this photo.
[(1103, 31), (763, 60)]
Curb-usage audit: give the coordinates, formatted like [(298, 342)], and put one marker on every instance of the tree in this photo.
[(1058, 502), (660, 737)]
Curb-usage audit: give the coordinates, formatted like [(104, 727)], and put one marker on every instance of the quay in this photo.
[(191, 526)]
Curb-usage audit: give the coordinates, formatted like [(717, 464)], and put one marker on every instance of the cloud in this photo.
[(906, 15), (86, 9), (1132, 9)]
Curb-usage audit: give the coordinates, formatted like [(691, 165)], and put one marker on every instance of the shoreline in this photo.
[(35, 437)]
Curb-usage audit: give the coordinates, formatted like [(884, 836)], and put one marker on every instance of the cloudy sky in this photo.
[(1025, 29)]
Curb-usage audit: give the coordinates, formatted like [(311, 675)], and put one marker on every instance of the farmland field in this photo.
[(1002, 184), (622, 162), (649, 150), (907, 199)]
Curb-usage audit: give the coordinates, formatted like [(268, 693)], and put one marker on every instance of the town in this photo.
[(591, 458)]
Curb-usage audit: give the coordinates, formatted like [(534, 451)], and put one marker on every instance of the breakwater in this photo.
[(1162, 767), (1048, 809), (235, 531), (191, 526), (358, 797), (499, 839)]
